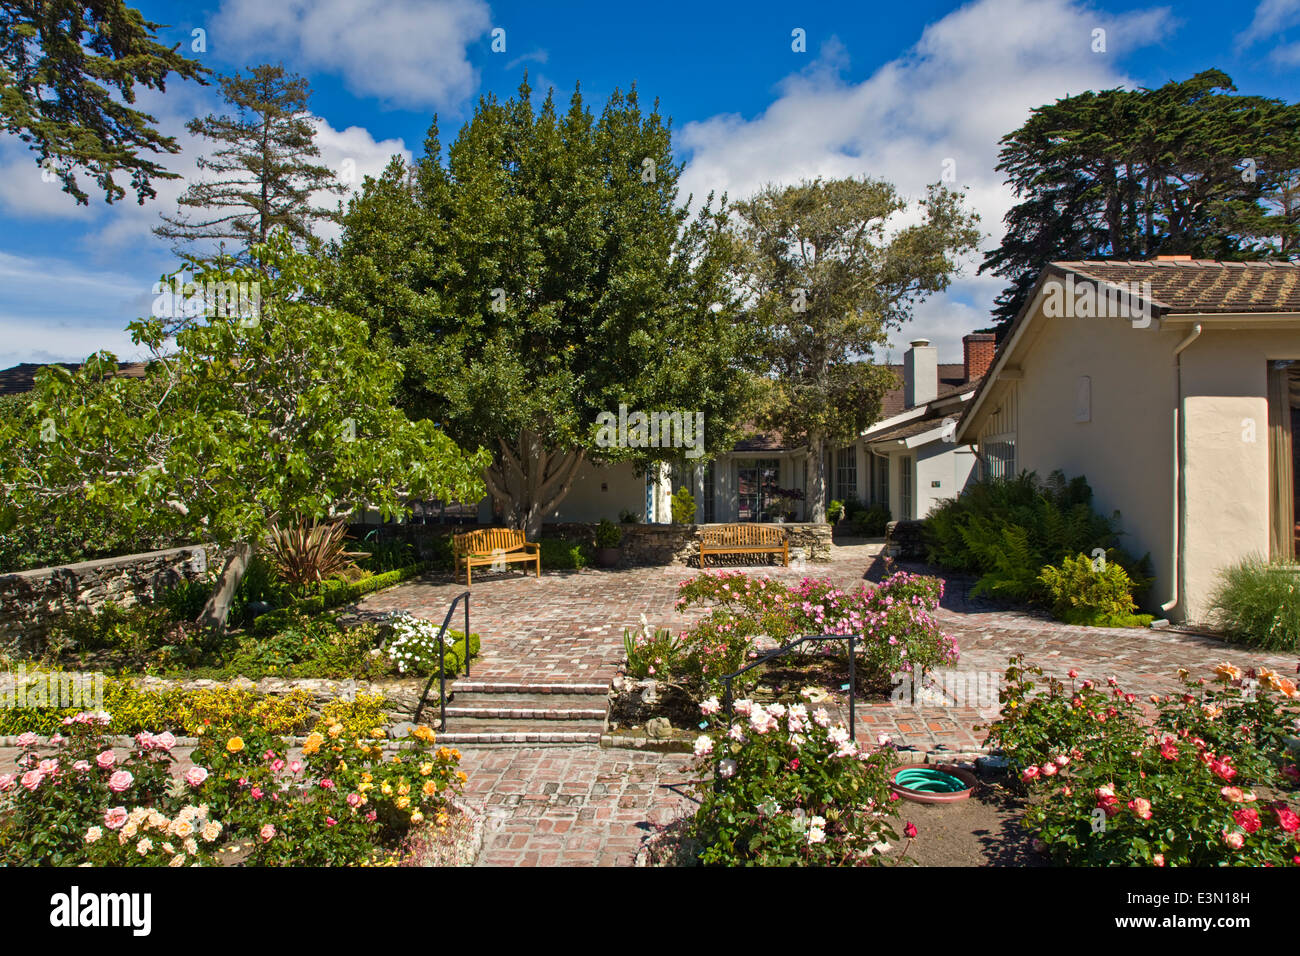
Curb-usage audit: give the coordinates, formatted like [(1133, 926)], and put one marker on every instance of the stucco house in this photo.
[(906, 461), (1172, 385)]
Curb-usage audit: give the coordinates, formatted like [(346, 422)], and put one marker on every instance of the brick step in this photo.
[(495, 725), (543, 738), (482, 710), (462, 698), (516, 687)]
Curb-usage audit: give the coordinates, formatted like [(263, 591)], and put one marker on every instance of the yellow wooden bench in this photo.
[(492, 546), (745, 539)]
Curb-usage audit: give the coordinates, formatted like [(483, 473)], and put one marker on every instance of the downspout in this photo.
[(1176, 531)]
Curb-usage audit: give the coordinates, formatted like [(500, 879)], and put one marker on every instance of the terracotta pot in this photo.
[(918, 796)]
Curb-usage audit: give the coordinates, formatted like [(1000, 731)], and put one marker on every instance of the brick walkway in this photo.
[(586, 806)]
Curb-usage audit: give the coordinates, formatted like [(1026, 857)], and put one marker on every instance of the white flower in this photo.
[(743, 706), (710, 707), (703, 745), (727, 768), (821, 718)]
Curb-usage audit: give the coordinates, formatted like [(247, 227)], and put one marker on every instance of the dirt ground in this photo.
[(982, 830)]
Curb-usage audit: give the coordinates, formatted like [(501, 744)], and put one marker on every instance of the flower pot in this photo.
[(608, 557), (923, 796)]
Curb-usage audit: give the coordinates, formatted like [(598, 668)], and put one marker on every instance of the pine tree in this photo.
[(68, 74), (263, 175)]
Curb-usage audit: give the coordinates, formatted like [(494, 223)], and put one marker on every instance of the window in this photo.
[(704, 507), (881, 496), (756, 483), (998, 457), (905, 487), (846, 473)]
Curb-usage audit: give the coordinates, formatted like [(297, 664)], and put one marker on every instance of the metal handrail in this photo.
[(785, 649), (442, 664)]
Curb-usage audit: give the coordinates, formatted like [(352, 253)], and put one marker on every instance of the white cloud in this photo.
[(1271, 17), (971, 77), (403, 52), (53, 310)]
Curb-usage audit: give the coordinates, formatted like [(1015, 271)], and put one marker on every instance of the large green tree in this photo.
[(544, 272), (250, 420), (1187, 168), (828, 277), (69, 70), (263, 173)]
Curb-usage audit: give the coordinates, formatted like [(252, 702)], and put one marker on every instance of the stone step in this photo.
[(538, 687), (500, 725), (462, 698)]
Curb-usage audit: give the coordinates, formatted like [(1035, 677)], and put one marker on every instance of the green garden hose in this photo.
[(928, 781)]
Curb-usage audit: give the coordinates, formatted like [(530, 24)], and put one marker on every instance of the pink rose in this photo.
[(32, 779), (121, 780), (7, 781), (115, 817), (48, 766), (106, 759), (256, 793), (295, 766), (266, 833), (165, 740), (27, 740), (327, 784), (330, 821), (82, 766), (195, 776), (1235, 839), (354, 799), (277, 765)]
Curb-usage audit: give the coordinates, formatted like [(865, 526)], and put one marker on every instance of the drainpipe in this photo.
[(1175, 557)]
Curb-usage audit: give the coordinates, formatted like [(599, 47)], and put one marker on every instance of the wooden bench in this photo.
[(493, 546), (745, 539)]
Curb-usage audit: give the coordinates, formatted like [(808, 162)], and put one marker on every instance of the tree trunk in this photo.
[(217, 609), (815, 498), (528, 481)]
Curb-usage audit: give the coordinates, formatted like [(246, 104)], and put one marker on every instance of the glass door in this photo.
[(905, 505), (756, 484)]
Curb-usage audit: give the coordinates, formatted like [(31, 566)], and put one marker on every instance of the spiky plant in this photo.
[(305, 553)]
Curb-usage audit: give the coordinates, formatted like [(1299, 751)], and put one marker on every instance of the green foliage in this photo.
[(1083, 195), (683, 506), (387, 554), (835, 511), (333, 593), (70, 75), (601, 269), (629, 517), (1095, 592), (564, 554), (302, 553), (651, 652), (870, 522), (261, 177), (1201, 783), (243, 422), (792, 790), (820, 252), (1258, 603), (1008, 530), (608, 534)]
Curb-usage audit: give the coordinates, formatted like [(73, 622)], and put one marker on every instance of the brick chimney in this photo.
[(920, 373), (978, 350)]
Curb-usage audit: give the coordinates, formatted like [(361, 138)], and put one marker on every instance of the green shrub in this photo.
[(333, 594), (564, 554), (1007, 530), (871, 522), (1092, 592), (683, 506), (608, 534), (387, 555), (834, 511), (1258, 603)]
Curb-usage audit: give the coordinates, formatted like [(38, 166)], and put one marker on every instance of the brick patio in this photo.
[(582, 805)]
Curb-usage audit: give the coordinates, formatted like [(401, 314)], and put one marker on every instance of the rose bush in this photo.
[(789, 788), (896, 621), (1200, 779)]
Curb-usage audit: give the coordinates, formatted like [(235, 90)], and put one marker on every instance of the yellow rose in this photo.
[(235, 744), (429, 788), (426, 769), (402, 803), (312, 744), (335, 730), (417, 817), (404, 789), (461, 775), (386, 789)]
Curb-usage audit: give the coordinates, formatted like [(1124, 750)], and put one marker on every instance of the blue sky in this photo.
[(889, 90)]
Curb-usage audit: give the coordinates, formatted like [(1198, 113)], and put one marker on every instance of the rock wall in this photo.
[(29, 600)]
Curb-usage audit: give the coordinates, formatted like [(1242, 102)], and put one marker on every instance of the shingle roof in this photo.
[(22, 377), (1202, 285), (952, 377)]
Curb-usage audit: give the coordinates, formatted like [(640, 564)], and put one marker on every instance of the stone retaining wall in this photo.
[(29, 600)]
